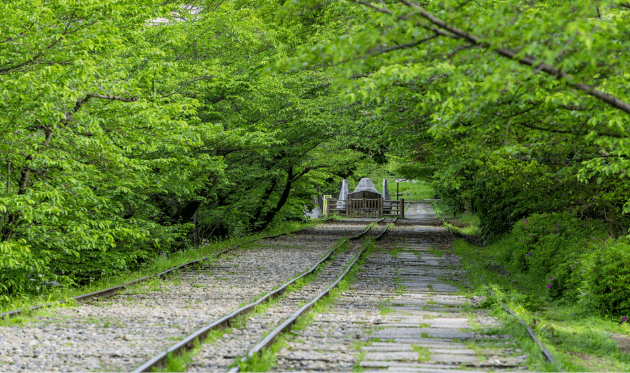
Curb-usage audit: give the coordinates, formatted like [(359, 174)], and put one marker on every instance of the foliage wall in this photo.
[(510, 107), (134, 128)]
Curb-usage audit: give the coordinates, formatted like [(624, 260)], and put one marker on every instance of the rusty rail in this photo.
[(546, 353), (224, 322)]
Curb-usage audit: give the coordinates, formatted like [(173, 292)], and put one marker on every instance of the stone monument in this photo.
[(387, 206), (343, 194)]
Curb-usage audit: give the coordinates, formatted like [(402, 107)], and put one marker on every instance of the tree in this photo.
[(501, 87), (135, 128)]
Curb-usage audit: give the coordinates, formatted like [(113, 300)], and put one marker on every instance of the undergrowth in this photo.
[(56, 293), (564, 278), (578, 338)]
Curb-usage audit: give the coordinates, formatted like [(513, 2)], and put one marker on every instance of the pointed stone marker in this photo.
[(343, 194)]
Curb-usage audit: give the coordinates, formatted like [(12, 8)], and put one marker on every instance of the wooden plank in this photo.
[(380, 208), (401, 206), (348, 206)]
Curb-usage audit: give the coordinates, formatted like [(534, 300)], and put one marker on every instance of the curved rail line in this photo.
[(546, 353), (291, 320), (225, 321), (115, 289)]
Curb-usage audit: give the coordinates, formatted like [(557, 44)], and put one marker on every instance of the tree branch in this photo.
[(572, 132), (404, 46), (458, 49), (83, 101), (526, 60), (381, 10), (307, 170)]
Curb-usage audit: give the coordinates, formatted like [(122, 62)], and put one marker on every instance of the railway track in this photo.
[(124, 330), (403, 313), (219, 356), (116, 289)]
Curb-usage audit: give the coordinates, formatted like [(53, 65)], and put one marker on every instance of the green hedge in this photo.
[(569, 259), (608, 277)]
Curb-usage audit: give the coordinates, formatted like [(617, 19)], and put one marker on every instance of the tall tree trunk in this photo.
[(263, 201), (283, 199)]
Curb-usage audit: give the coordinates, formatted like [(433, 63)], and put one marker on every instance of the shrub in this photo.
[(608, 277), (552, 248)]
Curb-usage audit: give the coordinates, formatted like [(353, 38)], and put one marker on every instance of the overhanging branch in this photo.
[(526, 60), (83, 101)]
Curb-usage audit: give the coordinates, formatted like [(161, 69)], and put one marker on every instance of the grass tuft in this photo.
[(423, 352)]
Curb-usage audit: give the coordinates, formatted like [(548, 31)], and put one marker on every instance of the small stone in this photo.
[(127, 337)]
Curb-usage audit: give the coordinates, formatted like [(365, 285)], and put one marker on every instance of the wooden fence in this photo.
[(365, 208)]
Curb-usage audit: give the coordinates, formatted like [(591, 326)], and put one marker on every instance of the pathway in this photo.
[(407, 312)]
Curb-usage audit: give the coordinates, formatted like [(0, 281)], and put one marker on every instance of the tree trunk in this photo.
[(263, 201), (186, 214), (196, 229), (283, 199)]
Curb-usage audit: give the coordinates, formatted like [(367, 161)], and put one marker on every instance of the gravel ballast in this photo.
[(125, 330)]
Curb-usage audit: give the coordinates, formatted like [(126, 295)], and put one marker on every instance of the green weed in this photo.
[(178, 363), (386, 311), (423, 352), (579, 340)]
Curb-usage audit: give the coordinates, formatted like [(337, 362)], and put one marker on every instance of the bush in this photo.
[(608, 277), (552, 248), (495, 208)]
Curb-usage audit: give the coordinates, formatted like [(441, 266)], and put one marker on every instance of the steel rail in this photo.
[(224, 322), (115, 289), (546, 353), (385, 230), (291, 320)]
